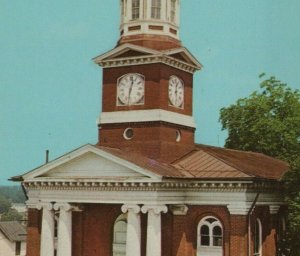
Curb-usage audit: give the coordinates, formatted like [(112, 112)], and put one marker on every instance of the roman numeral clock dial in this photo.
[(176, 92), (130, 90)]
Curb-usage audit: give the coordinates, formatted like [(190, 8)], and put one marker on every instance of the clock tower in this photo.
[(148, 83)]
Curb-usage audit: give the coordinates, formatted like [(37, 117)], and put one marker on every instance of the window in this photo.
[(155, 9), (18, 248), (205, 235), (210, 237), (119, 236), (281, 229), (257, 238), (217, 236), (135, 9), (173, 10)]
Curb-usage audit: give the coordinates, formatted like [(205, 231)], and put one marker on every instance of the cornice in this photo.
[(148, 59), (146, 115), (151, 186)]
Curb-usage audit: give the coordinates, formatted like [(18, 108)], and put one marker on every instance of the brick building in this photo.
[(146, 188)]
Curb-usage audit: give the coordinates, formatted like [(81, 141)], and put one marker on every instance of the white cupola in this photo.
[(150, 17)]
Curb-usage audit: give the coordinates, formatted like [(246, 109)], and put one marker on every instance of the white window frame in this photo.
[(257, 224), (119, 248), (211, 248), (135, 10), (156, 6)]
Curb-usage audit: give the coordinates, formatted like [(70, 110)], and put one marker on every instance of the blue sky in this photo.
[(50, 88)]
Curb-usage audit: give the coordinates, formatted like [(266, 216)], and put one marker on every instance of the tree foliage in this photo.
[(9, 195), (11, 215), (14, 193), (268, 121), (5, 204)]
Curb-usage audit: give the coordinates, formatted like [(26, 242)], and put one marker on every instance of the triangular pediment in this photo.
[(90, 163), (125, 51), (130, 54), (184, 55)]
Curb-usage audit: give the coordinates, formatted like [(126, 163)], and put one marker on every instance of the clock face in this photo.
[(130, 90), (176, 92)]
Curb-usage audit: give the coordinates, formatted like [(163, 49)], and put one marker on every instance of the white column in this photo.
[(64, 234), (47, 233), (154, 228), (133, 237)]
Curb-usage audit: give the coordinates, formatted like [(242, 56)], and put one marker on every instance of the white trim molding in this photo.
[(152, 115), (114, 58)]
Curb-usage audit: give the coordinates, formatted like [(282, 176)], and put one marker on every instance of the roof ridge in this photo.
[(232, 149), (184, 156), (229, 164)]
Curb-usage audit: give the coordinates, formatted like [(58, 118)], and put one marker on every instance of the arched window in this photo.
[(135, 9), (155, 9), (119, 236), (257, 238), (210, 237), (281, 229)]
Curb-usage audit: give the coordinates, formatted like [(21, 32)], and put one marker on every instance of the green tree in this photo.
[(4, 204), (268, 121), (10, 215), (14, 193)]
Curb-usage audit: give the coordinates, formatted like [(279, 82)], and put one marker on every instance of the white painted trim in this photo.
[(32, 175), (122, 49), (186, 52), (259, 253), (152, 115), (110, 58)]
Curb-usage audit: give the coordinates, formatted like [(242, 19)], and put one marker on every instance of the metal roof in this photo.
[(13, 230), (207, 162)]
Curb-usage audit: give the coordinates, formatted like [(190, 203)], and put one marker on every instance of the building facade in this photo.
[(12, 239), (146, 188)]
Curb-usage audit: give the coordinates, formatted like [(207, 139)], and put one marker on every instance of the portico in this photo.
[(64, 234)]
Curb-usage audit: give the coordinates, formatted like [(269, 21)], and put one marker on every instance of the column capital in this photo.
[(44, 205), (62, 206), (157, 209), (179, 209), (131, 207), (39, 205), (274, 209)]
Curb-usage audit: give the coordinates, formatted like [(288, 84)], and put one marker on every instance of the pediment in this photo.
[(184, 55), (125, 51), (90, 163), (129, 54)]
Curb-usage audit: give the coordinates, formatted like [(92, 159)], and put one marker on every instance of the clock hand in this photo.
[(176, 91), (130, 89)]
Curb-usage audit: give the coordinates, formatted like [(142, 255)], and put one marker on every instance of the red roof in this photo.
[(207, 162)]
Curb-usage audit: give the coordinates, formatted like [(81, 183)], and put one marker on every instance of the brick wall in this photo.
[(93, 231), (33, 232), (156, 42), (238, 235), (156, 87)]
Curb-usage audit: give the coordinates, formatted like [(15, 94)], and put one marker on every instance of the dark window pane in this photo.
[(217, 231), (204, 230), (18, 248), (204, 240), (217, 241)]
